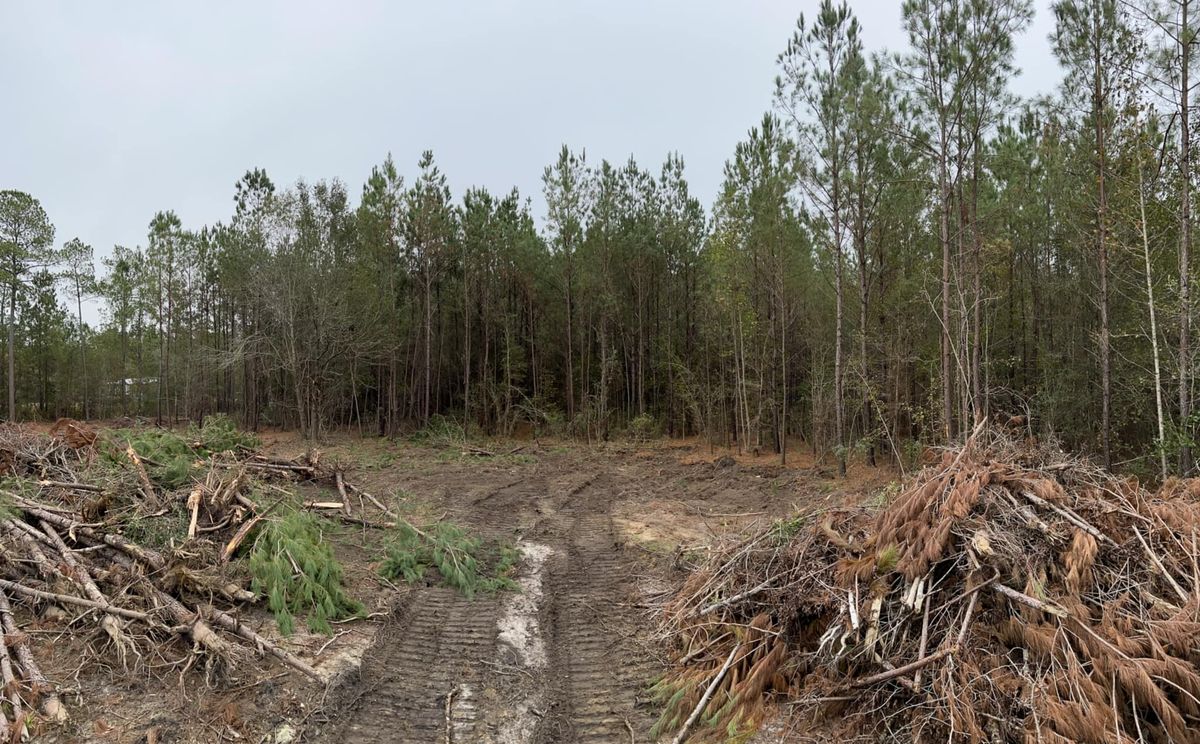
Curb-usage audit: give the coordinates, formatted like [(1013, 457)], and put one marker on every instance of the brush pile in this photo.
[(1006, 594), (138, 541)]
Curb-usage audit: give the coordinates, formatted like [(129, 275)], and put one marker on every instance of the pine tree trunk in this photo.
[(82, 352), (1158, 396), (428, 345), (570, 355), (944, 239), (12, 341), (1098, 105), (1185, 240), (466, 350)]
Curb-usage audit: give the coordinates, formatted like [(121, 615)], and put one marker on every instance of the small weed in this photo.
[(884, 496)]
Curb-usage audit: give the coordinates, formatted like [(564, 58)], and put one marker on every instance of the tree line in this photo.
[(900, 248)]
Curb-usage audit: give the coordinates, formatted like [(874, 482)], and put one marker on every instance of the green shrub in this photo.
[(7, 510), (296, 570), (643, 428), (159, 530), (463, 562), (220, 434), (440, 431)]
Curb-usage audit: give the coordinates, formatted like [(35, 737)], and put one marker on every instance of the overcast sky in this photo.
[(112, 111)]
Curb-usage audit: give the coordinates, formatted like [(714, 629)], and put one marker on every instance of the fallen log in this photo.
[(70, 599), (10, 690), (151, 558), (70, 486), (81, 576)]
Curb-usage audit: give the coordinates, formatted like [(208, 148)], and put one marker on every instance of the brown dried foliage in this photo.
[(1088, 639)]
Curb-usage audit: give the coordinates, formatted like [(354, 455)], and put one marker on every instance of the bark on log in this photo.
[(147, 556), (70, 599), (81, 576), (143, 477)]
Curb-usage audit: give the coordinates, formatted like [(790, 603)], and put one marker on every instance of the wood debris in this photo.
[(1007, 594)]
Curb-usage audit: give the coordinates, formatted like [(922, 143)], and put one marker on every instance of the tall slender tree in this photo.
[(26, 240), (79, 275), (815, 87), (1090, 39), (567, 188)]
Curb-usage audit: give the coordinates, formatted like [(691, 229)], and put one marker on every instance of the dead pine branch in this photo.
[(79, 573), (143, 477), (979, 558), (50, 705), (708, 693), (905, 670)]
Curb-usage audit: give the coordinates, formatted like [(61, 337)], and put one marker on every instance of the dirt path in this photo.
[(600, 671), (558, 661)]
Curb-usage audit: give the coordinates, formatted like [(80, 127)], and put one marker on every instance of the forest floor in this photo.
[(566, 658)]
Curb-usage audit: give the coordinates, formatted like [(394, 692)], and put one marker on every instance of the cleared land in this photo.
[(568, 655)]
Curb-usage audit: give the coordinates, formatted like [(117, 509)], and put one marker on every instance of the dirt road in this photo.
[(570, 656), (562, 660)]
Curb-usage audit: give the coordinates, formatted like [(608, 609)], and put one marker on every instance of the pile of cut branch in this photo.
[(1007, 594), (92, 534)]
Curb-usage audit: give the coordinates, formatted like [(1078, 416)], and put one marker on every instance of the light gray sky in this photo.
[(113, 111)]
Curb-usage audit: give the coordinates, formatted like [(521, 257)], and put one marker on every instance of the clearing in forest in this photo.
[(363, 590)]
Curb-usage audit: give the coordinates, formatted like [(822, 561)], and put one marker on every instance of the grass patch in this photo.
[(294, 567), (461, 561)]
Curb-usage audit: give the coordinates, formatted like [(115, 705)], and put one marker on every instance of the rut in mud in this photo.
[(558, 661)]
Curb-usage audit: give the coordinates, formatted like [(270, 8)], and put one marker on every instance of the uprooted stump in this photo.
[(1007, 594)]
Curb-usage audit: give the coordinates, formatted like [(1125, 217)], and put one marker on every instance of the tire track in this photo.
[(430, 653), (556, 664), (601, 672)]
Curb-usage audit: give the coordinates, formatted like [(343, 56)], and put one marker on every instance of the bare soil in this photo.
[(567, 658)]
